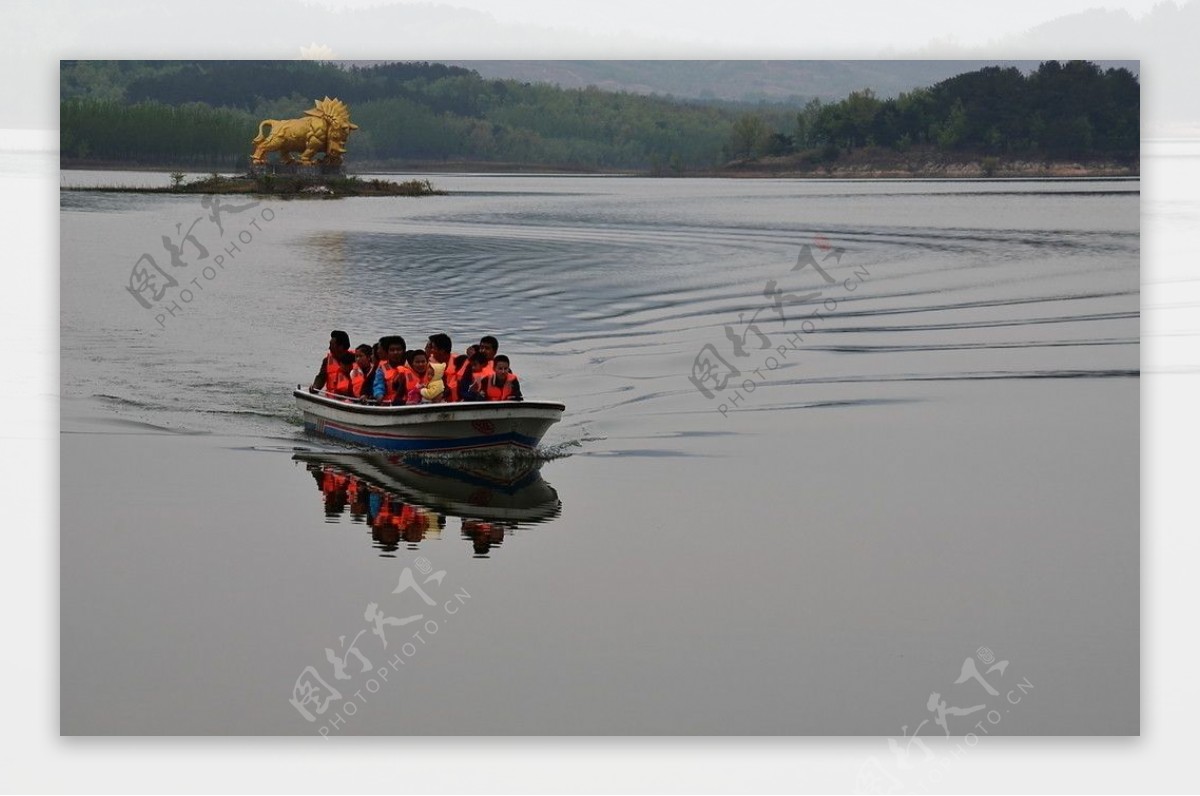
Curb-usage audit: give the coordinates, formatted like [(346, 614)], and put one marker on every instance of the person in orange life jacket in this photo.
[(461, 369), (363, 375), (421, 375), (454, 386), (469, 377), (391, 377), (339, 343), (488, 346), (409, 373), (501, 385), (438, 350), (341, 383)]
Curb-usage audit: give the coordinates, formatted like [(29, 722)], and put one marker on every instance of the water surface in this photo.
[(935, 453)]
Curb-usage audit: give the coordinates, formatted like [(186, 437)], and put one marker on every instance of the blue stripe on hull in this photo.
[(393, 443)]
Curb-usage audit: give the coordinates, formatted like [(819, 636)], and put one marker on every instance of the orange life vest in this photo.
[(416, 380), (410, 381), (338, 384), (332, 367), (415, 383), (357, 379), (493, 393), (390, 394)]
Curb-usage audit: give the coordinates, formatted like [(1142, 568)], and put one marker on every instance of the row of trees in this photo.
[(206, 113), (404, 112), (151, 132), (1060, 110)]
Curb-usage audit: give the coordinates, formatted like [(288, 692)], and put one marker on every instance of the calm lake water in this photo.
[(925, 464)]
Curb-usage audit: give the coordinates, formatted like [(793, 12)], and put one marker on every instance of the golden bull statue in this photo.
[(324, 128)]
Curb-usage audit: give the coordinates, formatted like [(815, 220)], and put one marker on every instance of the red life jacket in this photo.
[(357, 379), (493, 393)]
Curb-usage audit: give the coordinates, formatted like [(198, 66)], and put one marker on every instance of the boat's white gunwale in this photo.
[(466, 407)]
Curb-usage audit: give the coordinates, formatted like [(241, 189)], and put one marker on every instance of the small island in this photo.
[(310, 152), (290, 186)]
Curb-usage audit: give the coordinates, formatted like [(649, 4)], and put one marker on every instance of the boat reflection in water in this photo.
[(406, 501)]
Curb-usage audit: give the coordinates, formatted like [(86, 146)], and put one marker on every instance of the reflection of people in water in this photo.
[(356, 493), (385, 525), (334, 486), (483, 535), (394, 518)]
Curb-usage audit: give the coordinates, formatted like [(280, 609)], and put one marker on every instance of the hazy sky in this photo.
[(615, 29), (907, 25)]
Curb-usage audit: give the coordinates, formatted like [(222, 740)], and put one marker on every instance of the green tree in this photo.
[(953, 130), (749, 137), (806, 124)]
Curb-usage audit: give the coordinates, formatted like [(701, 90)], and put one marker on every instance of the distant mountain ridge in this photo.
[(746, 81)]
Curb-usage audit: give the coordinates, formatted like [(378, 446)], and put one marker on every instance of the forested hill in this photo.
[(205, 113)]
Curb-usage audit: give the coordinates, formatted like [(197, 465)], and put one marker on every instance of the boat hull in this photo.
[(482, 427)]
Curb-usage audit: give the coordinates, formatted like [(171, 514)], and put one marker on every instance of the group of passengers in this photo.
[(388, 373)]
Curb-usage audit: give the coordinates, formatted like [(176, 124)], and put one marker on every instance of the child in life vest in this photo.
[(435, 390), (363, 374), (469, 377), (502, 385), (421, 376)]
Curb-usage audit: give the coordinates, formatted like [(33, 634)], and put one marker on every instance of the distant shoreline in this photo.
[(868, 166), (937, 169)]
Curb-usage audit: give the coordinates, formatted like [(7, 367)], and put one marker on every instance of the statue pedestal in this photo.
[(316, 171)]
